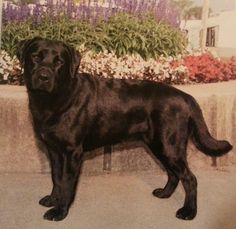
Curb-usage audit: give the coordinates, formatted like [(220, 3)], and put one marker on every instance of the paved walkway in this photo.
[(119, 202), (209, 89), (111, 201)]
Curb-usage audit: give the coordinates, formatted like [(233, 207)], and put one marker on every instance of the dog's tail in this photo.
[(201, 136)]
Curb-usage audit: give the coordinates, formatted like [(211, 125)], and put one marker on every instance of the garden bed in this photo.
[(188, 69), (120, 39)]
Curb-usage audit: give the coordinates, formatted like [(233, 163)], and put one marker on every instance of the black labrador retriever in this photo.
[(74, 113)]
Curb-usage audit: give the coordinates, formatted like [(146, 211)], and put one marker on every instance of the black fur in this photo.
[(75, 113)]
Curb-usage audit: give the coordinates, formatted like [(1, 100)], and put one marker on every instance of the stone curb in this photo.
[(19, 152)]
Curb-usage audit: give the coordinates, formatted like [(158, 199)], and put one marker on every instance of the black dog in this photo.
[(73, 113)]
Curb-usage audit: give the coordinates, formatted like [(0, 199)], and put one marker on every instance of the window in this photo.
[(211, 37)]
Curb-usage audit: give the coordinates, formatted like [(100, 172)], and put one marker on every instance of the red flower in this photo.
[(207, 68)]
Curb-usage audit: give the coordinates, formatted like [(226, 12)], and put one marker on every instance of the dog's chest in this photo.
[(63, 128)]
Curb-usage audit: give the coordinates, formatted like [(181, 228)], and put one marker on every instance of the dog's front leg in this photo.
[(56, 162), (65, 173)]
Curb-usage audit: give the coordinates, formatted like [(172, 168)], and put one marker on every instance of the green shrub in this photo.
[(122, 34), (71, 32), (126, 34)]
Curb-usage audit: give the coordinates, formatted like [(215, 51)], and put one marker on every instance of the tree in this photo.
[(183, 7), (194, 13)]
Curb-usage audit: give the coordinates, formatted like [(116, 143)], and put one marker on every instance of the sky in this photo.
[(218, 5)]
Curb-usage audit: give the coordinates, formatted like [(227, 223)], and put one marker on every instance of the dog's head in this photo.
[(47, 64)]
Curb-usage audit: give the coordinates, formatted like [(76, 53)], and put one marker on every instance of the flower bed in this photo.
[(131, 39), (134, 67), (200, 68), (91, 10), (10, 70), (149, 28), (208, 68)]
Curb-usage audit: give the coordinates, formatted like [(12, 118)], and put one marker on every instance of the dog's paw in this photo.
[(55, 214), (186, 213), (48, 201), (160, 193)]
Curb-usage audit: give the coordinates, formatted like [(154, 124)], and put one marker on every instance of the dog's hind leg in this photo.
[(172, 154), (65, 173), (177, 169), (189, 181), (157, 150), (173, 179)]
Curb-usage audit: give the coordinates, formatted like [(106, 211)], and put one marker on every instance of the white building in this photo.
[(221, 33)]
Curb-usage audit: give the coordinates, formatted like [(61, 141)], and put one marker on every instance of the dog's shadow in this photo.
[(109, 156)]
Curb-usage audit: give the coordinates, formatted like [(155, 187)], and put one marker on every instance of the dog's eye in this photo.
[(58, 62), (36, 58)]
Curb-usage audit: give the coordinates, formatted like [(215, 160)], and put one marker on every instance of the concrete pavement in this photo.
[(116, 201), (120, 201)]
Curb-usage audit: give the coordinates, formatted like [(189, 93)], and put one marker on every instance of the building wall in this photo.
[(225, 35), (193, 27)]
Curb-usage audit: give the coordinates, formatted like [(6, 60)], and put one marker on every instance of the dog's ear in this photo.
[(22, 48), (75, 60)]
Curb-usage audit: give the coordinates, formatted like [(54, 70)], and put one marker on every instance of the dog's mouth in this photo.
[(43, 79)]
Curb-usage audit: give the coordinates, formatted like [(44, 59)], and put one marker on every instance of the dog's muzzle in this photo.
[(43, 79), (44, 76)]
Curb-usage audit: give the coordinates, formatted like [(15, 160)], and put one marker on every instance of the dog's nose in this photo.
[(43, 76)]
